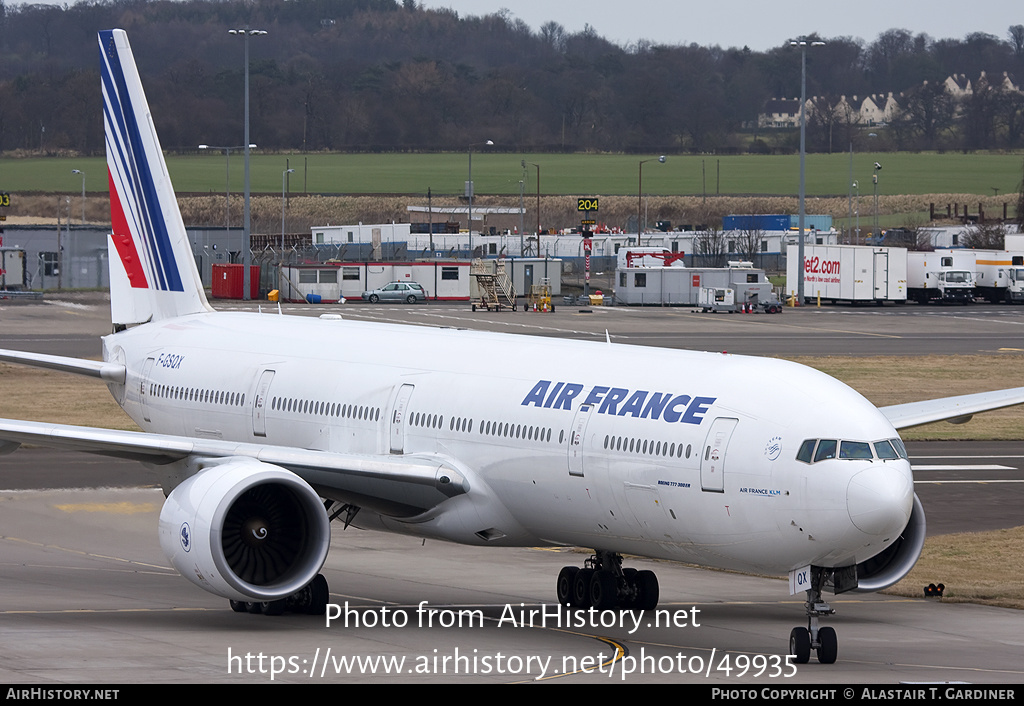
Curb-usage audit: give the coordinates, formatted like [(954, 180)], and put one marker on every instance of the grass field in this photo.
[(575, 174)]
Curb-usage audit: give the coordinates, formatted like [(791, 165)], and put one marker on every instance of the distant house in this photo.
[(879, 108), (780, 112)]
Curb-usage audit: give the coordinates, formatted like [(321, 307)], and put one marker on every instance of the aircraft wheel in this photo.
[(238, 606), (319, 595), (274, 607), (828, 648), (649, 590), (800, 645), (581, 588), (603, 595), (631, 599), (564, 586), (254, 608)]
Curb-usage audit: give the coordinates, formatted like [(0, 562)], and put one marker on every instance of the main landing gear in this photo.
[(311, 600), (603, 584), (824, 640)]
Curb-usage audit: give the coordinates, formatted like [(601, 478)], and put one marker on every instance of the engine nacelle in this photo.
[(245, 530), (896, 561)]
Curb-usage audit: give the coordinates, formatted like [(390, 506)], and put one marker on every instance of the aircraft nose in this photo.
[(880, 498)]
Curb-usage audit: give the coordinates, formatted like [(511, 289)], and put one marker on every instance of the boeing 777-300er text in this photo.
[(265, 428)]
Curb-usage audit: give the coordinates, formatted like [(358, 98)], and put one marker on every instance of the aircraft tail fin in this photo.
[(153, 273)]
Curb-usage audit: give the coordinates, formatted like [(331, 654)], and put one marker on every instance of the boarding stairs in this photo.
[(494, 285)]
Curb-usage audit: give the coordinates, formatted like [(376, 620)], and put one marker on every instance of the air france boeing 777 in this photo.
[(266, 428)]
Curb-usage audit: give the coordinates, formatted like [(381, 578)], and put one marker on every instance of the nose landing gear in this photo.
[(822, 639)]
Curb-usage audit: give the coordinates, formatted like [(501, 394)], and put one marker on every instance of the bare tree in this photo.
[(984, 236), (711, 247), (748, 244), (1016, 34)]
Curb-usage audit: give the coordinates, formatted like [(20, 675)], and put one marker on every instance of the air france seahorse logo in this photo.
[(773, 448), (185, 536)]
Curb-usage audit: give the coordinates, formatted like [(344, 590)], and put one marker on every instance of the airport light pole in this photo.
[(469, 192), (640, 194), (856, 186), (802, 43), (284, 195), (538, 202), (874, 177), (79, 171), (245, 33), (227, 177)]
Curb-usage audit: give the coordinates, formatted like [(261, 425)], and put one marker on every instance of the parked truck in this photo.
[(653, 276), (945, 275), (999, 275), (849, 273), (13, 272)]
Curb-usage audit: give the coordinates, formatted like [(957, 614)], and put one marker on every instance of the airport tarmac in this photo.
[(88, 598), (86, 595), (72, 324)]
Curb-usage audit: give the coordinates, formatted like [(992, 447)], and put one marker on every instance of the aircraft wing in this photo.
[(109, 372), (956, 410), (392, 485)]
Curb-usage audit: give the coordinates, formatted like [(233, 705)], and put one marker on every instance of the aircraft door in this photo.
[(577, 436), (712, 462), (259, 403), (398, 413), (143, 387)]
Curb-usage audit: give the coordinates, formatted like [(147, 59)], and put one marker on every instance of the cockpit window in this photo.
[(855, 449), (814, 450), (806, 452), (885, 451), (826, 450)]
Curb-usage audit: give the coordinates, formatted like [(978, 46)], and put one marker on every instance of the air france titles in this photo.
[(621, 402)]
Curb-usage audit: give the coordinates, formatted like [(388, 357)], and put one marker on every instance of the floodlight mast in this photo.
[(245, 33), (802, 42)]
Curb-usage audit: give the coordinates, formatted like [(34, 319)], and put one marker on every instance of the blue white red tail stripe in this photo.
[(131, 173), (152, 270)]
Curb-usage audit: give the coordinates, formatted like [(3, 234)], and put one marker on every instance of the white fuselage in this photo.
[(672, 454)]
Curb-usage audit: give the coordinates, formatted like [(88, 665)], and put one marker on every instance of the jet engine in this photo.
[(245, 530), (896, 560)]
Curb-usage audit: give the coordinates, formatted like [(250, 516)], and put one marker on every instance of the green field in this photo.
[(576, 174)]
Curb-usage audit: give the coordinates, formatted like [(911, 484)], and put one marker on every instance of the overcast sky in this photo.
[(758, 24)]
